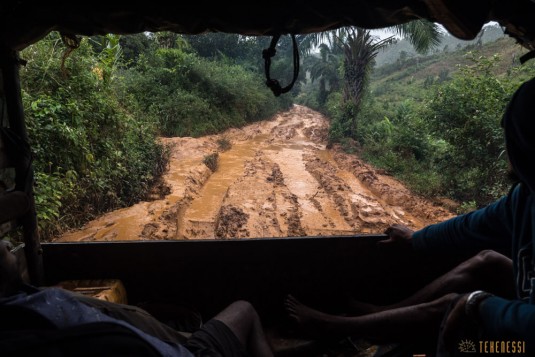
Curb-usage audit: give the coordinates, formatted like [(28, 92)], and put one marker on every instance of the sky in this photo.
[(382, 34)]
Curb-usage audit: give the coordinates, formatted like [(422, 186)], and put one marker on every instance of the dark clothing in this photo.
[(519, 125), (492, 228), (215, 339), (62, 309), (137, 317), (506, 225), (87, 340)]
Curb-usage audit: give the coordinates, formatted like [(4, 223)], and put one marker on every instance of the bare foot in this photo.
[(310, 321)]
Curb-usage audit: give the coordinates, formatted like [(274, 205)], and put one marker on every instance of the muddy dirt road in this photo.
[(277, 180)]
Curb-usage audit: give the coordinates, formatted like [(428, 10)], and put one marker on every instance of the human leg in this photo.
[(409, 324), (243, 320), (488, 270)]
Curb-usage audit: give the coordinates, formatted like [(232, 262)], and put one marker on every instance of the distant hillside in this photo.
[(410, 77), (448, 43)]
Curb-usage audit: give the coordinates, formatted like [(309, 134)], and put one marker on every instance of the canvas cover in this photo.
[(25, 22)]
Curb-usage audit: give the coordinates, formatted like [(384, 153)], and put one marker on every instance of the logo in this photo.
[(493, 347), (467, 346)]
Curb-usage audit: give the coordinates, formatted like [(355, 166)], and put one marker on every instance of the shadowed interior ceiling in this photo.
[(25, 22)]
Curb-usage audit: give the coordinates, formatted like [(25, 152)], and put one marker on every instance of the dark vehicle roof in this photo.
[(25, 22)]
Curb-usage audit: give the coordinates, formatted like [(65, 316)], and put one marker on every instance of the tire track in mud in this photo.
[(277, 180)]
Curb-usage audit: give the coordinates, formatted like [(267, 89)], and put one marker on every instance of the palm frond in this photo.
[(422, 34)]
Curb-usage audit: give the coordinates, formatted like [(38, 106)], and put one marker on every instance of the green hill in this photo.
[(434, 121), (392, 81)]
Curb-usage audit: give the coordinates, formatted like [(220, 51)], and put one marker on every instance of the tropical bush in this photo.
[(224, 144), (91, 155), (466, 113), (448, 143), (94, 115), (193, 96), (211, 161), (452, 142)]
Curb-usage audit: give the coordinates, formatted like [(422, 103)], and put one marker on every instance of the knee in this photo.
[(244, 304), (245, 307), (490, 258), (487, 261)]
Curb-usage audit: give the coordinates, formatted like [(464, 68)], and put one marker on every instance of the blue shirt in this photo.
[(507, 224)]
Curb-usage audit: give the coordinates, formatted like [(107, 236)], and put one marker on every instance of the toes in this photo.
[(290, 299)]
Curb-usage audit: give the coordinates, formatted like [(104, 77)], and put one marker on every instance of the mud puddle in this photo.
[(277, 180)]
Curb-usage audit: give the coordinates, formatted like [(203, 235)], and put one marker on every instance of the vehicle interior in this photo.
[(207, 275)]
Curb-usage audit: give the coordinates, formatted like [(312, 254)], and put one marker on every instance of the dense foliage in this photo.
[(466, 114), (190, 96), (440, 134), (90, 153), (95, 113)]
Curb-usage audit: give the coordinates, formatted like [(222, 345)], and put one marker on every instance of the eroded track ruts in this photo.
[(277, 180)]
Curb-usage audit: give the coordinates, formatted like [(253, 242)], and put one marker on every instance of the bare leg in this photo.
[(488, 270), (411, 324), (243, 320)]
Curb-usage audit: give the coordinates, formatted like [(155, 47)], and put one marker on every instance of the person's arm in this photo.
[(485, 228), (399, 237), (508, 320), (497, 318)]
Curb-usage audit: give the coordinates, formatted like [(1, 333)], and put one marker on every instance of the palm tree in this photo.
[(325, 69), (360, 48), (422, 34)]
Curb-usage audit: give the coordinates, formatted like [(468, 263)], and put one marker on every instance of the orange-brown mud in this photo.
[(277, 180)]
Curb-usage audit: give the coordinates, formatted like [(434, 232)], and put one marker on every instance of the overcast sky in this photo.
[(382, 34)]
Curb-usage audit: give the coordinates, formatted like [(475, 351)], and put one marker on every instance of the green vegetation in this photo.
[(90, 154), (451, 143), (94, 115), (211, 161), (224, 144), (434, 122), (193, 96)]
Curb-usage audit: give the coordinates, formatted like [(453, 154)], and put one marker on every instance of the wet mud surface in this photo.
[(278, 179)]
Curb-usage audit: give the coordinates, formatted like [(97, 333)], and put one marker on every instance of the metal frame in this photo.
[(10, 63)]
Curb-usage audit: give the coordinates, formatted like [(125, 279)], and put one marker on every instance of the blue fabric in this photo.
[(519, 124), (509, 320), (508, 224), (63, 310), (505, 223)]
